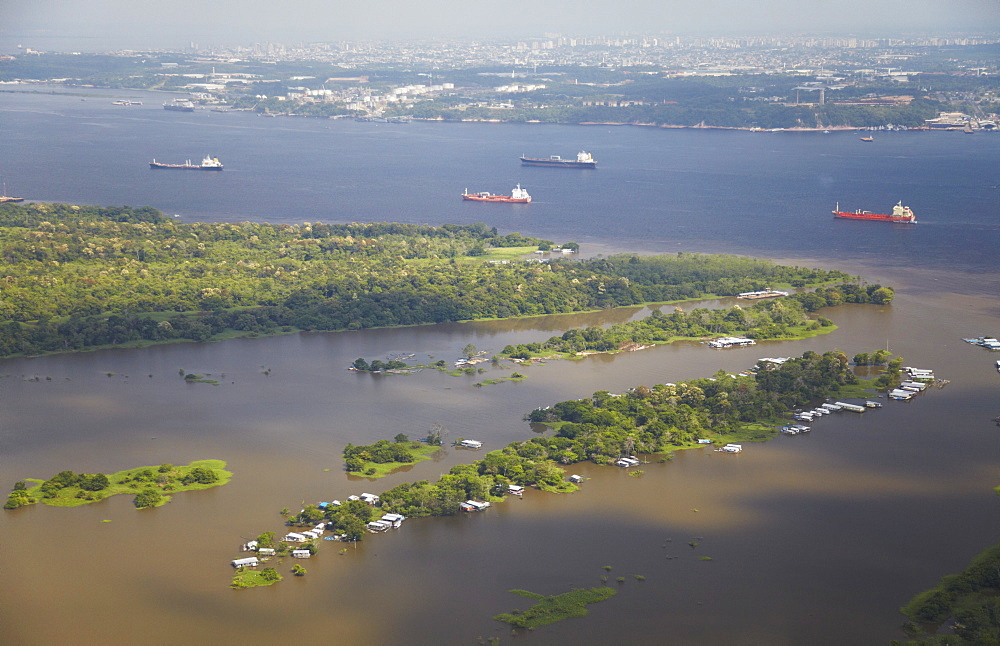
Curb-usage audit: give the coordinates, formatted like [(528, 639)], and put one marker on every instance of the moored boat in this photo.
[(583, 160), (4, 199), (899, 213), (179, 105), (517, 196), (209, 163)]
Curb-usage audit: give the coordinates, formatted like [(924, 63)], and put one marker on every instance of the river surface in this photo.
[(813, 539)]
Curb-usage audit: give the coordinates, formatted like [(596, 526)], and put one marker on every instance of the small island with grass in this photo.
[(383, 457), (555, 608), (151, 486)]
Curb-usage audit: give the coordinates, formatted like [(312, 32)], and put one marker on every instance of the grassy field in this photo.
[(253, 579), (421, 453)]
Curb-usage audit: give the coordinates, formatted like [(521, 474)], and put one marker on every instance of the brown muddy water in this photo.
[(813, 539)]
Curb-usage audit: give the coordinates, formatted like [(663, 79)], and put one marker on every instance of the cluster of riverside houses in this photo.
[(385, 523)]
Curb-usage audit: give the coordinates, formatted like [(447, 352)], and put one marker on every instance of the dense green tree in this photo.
[(147, 498)]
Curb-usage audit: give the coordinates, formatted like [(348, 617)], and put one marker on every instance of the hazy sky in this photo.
[(94, 25)]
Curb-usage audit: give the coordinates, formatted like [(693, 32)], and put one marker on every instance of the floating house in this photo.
[(765, 293), (293, 537), (732, 448), (473, 505), (311, 535), (470, 444), (851, 407), (266, 551), (731, 342), (369, 498), (900, 394), (301, 554), (379, 525), (250, 561), (575, 478), (517, 490), (627, 462), (394, 519)]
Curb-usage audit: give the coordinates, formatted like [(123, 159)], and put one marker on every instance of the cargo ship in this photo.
[(517, 196), (899, 213), (583, 160), (209, 163), (179, 105)]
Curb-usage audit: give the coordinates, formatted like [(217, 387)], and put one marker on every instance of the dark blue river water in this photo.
[(766, 194)]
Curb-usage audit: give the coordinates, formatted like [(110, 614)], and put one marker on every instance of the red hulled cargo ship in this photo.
[(899, 213), (517, 196)]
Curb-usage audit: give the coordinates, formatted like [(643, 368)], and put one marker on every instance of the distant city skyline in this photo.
[(103, 25)]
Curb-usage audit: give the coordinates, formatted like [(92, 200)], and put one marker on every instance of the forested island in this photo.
[(604, 427), (775, 319), (383, 457), (82, 277), (151, 486)]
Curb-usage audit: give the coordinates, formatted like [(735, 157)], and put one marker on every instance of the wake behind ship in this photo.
[(583, 160), (209, 163), (899, 213)]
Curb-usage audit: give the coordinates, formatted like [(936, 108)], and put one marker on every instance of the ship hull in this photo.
[(178, 108), (557, 163), (6, 199), (875, 217), (500, 199), (183, 166)]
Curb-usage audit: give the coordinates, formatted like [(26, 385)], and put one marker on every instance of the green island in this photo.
[(247, 578), (555, 608), (605, 427), (971, 600), (383, 457), (152, 486), (778, 319), (84, 277)]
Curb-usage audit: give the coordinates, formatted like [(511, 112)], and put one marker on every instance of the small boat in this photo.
[(517, 196), (868, 138), (998, 366)]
